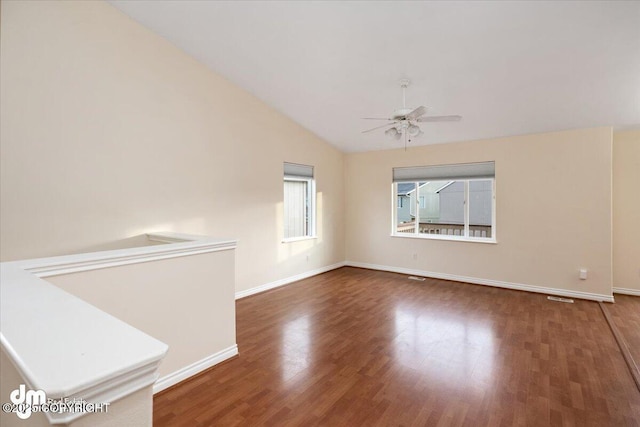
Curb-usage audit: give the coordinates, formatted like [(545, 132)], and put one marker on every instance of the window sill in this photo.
[(447, 238), (298, 239)]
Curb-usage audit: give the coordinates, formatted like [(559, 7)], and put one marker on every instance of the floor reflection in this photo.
[(296, 348), (357, 347), (444, 346)]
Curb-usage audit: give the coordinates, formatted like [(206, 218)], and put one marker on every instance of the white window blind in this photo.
[(295, 209), (445, 172), (299, 201)]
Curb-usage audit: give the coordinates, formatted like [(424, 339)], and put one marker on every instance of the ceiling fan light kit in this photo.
[(403, 120), (393, 133)]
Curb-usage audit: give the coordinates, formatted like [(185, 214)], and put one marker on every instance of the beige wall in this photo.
[(626, 210), (186, 302), (553, 197), (109, 131)]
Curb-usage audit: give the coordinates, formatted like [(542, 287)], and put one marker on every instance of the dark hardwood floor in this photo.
[(625, 314), (356, 347)]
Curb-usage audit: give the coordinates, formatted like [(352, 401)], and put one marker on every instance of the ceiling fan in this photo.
[(403, 121)]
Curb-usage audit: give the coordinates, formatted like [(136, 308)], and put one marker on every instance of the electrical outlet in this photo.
[(415, 257), (583, 274), (308, 258)]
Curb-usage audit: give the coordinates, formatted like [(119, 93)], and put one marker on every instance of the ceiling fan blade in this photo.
[(439, 119), (379, 127), (375, 118), (416, 113)]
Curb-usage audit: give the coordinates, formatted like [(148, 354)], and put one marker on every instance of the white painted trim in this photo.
[(33, 311), (627, 291), (298, 239), (177, 246), (195, 368), (465, 238), (124, 359), (111, 391), (447, 237), (287, 280), (486, 282)]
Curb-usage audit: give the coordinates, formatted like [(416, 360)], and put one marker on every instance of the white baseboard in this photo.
[(627, 291), (486, 282), (287, 280), (195, 368)]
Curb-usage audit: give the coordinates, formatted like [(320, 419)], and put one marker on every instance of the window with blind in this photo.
[(455, 202), (299, 202)]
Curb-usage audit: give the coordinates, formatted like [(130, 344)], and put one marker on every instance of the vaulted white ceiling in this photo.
[(507, 67)]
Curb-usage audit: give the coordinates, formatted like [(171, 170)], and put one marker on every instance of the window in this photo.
[(299, 202), (446, 202)]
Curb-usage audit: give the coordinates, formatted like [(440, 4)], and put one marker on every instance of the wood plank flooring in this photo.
[(625, 314), (356, 347)]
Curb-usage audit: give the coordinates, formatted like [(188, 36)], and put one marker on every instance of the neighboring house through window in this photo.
[(446, 201), (299, 202), (423, 202)]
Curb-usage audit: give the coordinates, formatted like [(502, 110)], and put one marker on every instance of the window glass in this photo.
[(480, 208), (405, 210), (451, 196), (439, 208), (428, 206)]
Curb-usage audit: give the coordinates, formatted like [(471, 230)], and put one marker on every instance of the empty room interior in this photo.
[(319, 213)]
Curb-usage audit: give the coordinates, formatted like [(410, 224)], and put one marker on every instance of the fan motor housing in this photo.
[(401, 113)]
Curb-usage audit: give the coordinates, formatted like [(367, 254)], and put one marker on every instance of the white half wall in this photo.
[(186, 302)]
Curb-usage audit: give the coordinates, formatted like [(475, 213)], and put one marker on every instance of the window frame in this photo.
[(464, 238), (311, 197)]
